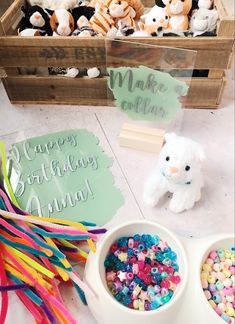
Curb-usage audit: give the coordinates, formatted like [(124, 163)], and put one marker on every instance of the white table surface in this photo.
[(214, 129)]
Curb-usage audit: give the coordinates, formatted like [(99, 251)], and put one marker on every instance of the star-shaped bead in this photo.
[(111, 275), (141, 256), (121, 275), (122, 257), (151, 255), (143, 296), (162, 245)]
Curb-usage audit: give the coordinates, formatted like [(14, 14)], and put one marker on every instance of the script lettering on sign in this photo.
[(146, 94), (65, 175)]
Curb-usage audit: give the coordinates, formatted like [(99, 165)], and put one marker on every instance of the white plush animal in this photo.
[(203, 20), (55, 4), (178, 172)]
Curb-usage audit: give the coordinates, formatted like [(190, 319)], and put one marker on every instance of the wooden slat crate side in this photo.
[(226, 25), (53, 90), (203, 92), (3, 73), (9, 17), (91, 52)]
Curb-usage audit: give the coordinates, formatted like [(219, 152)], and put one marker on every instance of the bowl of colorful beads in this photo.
[(217, 276), (138, 275)]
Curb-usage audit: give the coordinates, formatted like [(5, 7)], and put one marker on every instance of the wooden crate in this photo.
[(213, 54)]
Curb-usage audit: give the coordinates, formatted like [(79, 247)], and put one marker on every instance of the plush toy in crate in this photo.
[(178, 11), (157, 18), (55, 4), (65, 27), (178, 172), (203, 22), (35, 18)]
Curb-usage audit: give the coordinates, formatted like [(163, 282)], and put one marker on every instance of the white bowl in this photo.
[(224, 242), (104, 307), (195, 308)]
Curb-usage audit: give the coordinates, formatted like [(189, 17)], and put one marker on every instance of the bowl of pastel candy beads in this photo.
[(142, 271), (218, 280)]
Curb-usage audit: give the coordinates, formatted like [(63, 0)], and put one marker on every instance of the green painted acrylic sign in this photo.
[(146, 94), (65, 175)]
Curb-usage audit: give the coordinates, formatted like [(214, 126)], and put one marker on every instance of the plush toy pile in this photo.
[(115, 18)]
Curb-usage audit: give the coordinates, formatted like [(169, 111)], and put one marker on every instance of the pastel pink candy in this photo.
[(220, 276), (218, 311), (217, 267), (228, 291), (207, 294), (210, 261), (213, 255), (204, 284)]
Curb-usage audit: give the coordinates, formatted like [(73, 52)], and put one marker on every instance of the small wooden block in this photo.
[(141, 138)]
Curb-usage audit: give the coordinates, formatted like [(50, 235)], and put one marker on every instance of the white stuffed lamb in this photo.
[(178, 172), (203, 20)]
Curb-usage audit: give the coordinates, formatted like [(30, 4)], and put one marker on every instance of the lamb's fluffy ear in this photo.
[(49, 12), (170, 137)]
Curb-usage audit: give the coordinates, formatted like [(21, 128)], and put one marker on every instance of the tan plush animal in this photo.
[(134, 4), (138, 6), (101, 21), (178, 11), (120, 11)]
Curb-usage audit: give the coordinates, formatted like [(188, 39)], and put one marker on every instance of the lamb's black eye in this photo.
[(167, 158), (119, 2), (57, 24), (166, 17), (187, 168), (154, 19), (182, 0)]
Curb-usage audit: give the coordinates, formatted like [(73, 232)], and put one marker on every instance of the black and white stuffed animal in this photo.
[(85, 11), (35, 18)]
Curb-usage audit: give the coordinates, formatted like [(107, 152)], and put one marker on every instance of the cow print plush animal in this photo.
[(35, 18)]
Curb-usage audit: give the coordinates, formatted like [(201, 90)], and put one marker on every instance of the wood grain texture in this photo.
[(15, 51), (3, 73), (226, 24), (9, 17), (203, 92)]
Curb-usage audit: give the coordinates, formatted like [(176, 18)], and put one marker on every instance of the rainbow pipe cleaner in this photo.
[(36, 254)]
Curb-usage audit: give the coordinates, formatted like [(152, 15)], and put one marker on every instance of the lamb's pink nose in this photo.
[(37, 17), (174, 170)]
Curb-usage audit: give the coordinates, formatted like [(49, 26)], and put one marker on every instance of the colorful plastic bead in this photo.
[(225, 317), (217, 279), (217, 298), (142, 271)]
